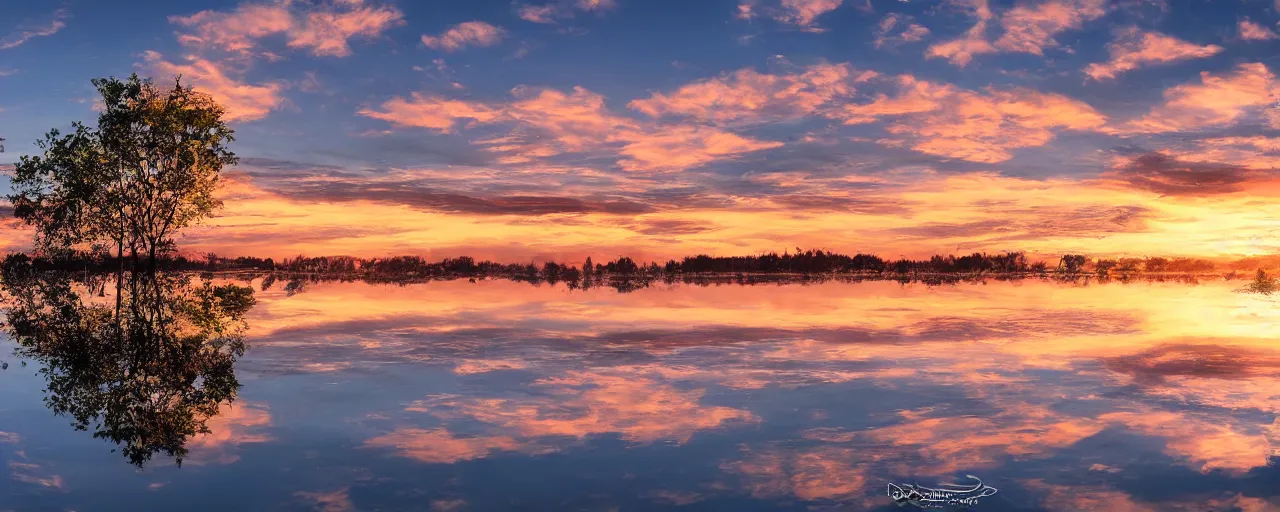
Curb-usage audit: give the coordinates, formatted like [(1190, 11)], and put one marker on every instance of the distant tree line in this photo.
[(805, 262)]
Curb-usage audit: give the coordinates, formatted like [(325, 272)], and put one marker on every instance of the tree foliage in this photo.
[(149, 168)]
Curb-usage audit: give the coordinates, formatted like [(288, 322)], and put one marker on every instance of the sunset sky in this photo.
[(559, 129)]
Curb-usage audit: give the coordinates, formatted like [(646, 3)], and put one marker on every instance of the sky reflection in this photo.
[(500, 395)]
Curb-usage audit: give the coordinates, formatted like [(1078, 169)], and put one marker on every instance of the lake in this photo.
[(497, 395)]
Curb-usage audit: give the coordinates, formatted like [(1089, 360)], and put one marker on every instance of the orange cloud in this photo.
[(1206, 443), (471, 33), (1133, 48), (242, 101), (747, 95), (683, 147), (1251, 31), (942, 120), (960, 51), (233, 426), (1216, 101), (324, 28), (1030, 29), (975, 211)]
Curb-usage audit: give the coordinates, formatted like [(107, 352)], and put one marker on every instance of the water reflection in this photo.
[(146, 372), (497, 395)]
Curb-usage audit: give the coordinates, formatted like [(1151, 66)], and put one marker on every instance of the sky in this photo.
[(557, 129)]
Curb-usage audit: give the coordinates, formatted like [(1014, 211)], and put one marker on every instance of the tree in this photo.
[(150, 390), (149, 169)]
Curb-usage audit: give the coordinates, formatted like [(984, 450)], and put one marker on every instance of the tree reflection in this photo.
[(147, 378)]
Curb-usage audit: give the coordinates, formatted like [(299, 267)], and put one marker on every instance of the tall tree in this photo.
[(150, 168)]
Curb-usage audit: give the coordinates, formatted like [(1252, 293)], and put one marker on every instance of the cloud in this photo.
[(1217, 100), (439, 446), (333, 501), (242, 101), (1133, 48), (433, 112), (911, 32), (1026, 28), (960, 51), (563, 9), (471, 33), (1166, 175), (323, 28), (326, 32), (35, 474), (236, 31), (683, 147), (978, 127), (549, 122), (1251, 31), (1029, 29), (18, 38), (805, 12), (639, 407), (1158, 365), (747, 95), (234, 425)]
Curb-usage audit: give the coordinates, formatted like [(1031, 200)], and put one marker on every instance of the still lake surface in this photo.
[(504, 396)]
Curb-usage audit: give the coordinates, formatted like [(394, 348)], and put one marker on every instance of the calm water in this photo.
[(503, 396)]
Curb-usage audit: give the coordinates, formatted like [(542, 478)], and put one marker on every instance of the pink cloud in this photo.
[(553, 12), (683, 147), (433, 112), (539, 13), (1030, 29), (1251, 31), (333, 501), (942, 120), (549, 122), (887, 35), (235, 31), (747, 95), (471, 33), (1217, 100), (242, 101), (439, 446), (1133, 48), (594, 5), (324, 29), (20, 37), (805, 12), (326, 32)]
